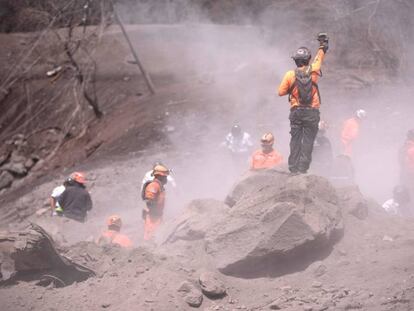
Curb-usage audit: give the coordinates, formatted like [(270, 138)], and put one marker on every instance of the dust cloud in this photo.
[(217, 66), (236, 69)]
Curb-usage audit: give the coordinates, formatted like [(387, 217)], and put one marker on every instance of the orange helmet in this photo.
[(160, 170), (114, 221), (267, 139), (78, 177)]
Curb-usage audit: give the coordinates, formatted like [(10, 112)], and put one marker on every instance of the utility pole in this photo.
[(147, 78)]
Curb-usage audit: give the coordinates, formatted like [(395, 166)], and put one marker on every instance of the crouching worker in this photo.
[(75, 200), (267, 156), (153, 193), (54, 198), (113, 235)]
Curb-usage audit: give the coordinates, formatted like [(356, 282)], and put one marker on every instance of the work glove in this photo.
[(323, 41), (324, 46)]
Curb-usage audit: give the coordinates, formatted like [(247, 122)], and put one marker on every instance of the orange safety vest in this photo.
[(409, 157), (350, 132), (155, 194), (262, 160), (289, 80), (115, 237), (155, 197)]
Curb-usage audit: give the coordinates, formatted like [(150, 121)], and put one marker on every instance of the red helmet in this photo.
[(78, 177)]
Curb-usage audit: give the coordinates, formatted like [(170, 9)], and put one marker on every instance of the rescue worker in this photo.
[(322, 151), (399, 204), (113, 234), (149, 176), (75, 200), (350, 131), (301, 86), (238, 141), (267, 156), (154, 196), (54, 198), (407, 163)]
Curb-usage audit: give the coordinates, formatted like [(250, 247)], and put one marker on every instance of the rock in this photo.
[(353, 202), (277, 304), (318, 269), (277, 222), (38, 166), (211, 285), (16, 157), (6, 179), (316, 284), (15, 168), (29, 163), (3, 158), (342, 252), (32, 253), (191, 293), (194, 223)]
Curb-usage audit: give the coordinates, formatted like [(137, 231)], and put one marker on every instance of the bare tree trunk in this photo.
[(147, 77)]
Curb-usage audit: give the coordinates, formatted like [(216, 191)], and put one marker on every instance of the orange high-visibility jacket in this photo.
[(350, 132), (155, 194), (115, 237), (289, 80), (409, 157), (261, 160)]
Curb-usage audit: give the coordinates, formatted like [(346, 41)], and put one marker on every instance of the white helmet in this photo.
[(361, 113)]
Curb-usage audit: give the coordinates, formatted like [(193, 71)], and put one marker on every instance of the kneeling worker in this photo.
[(76, 201), (153, 194), (113, 235), (267, 157)]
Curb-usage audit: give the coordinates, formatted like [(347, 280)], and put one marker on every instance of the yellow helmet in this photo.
[(267, 139), (160, 170)]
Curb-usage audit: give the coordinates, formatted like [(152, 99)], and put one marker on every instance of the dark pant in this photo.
[(303, 130)]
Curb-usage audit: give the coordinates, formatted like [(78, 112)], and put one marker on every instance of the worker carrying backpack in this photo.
[(303, 83), (144, 187)]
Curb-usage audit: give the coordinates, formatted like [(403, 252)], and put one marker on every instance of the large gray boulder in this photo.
[(277, 220), (273, 223)]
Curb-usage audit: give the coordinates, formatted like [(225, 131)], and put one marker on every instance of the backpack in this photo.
[(144, 187), (303, 82)]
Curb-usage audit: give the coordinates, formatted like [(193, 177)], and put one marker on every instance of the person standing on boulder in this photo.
[(301, 86), (267, 157), (76, 200), (154, 195)]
